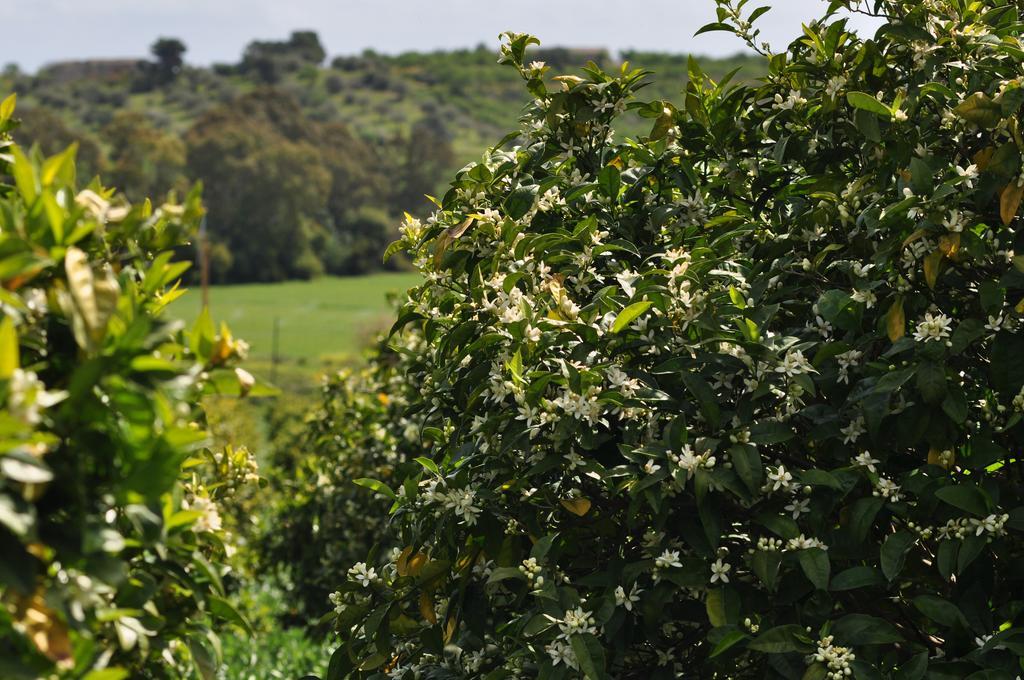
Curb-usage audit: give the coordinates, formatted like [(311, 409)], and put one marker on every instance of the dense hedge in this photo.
[(740, 398), (112, 542)]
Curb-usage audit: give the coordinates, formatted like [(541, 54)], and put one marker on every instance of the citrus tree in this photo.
[(113, 546), (737, 399)]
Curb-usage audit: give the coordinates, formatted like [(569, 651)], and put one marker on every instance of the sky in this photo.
[(42, 31)]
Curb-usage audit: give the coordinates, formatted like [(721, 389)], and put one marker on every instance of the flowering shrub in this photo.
[(320, 519), (738, 399), (112, 542)]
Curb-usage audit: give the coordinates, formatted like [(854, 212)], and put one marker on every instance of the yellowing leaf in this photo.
[(931, 267), (94, 299), (943, 459), (447, 237), (913, 237), (8, 348), (1009, 201), (984, 157), (47, 632), (949, 244), (7, 107), (416, 563), (427, 609), (410, 563), (577, 506), (449, 630), (896, 321)]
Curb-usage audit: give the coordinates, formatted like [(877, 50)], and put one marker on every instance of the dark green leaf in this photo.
[(781, 640), (894, 552), (816, 566), (967, 497)]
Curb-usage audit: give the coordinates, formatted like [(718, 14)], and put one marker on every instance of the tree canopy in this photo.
[(737, 398)]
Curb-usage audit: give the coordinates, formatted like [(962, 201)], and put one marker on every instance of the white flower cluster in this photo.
[(576, 621), (460, 501), (836, 659), (28, 396), (532, 571), (934, 327), (690, 462), (362, 574)]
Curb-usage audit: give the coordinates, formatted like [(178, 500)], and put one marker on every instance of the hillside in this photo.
[(318, 155)]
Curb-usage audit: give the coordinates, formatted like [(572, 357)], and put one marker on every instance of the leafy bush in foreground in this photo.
[(113, 549), (739, 399)]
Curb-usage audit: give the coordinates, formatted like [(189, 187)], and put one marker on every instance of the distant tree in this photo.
[(266, 189), (169, 53), (423, 157), (144, 161), (271, 60), (307, 45), (46, 128)]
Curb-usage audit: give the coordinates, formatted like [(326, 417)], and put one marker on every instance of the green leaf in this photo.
[(781, 640), (590, 655), (894, 553), (700, 389), (25, 177), (629, 314), (816, 566), (428, 465), (856, 577), (609, 179), (861, 629), (378, 486), (931, 382), (939, 610), (765, 564), (731, 639), (966, 497), (945, 558), (862, 516), (747, 463), (225, 610), (914, 669), (203, 659), (520, 201), (714, 26), (970, 548), (722, 606), (867, 124), (865, 102), (505, 573)]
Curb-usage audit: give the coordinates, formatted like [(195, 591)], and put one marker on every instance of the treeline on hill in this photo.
[(307, 167)]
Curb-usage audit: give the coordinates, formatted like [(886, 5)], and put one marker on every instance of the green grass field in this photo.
[(327, 319)]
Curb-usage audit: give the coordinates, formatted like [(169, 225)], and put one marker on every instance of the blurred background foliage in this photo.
[(318, 158)]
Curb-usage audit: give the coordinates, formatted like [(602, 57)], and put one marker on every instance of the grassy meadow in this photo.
[(326, 318), (320, 322)]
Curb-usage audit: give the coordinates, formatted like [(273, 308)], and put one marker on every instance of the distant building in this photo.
[(91, 69), (569, 57)]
